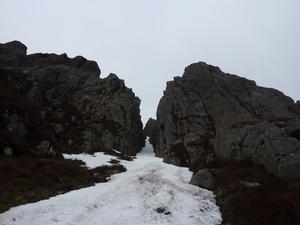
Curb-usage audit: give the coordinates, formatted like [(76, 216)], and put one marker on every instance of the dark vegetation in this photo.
[(25, 180), (248, 195)]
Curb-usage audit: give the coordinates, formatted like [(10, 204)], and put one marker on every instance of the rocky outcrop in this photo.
[(51, 103), (207, 114), (151, 130), (205, 178)]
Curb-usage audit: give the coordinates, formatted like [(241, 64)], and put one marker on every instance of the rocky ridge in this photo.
[(207, 115), (52, 103)]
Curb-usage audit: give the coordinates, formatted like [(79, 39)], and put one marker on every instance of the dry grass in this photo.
[(25, 180), (273, 202)]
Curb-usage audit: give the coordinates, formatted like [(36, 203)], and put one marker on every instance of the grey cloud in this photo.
[(148, 42)]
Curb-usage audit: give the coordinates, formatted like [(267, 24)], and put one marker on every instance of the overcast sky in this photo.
[(148, 42)]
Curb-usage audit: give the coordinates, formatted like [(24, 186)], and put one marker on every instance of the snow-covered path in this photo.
[(130, 198)]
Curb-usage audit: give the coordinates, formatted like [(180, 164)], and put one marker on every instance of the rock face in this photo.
[(207, 114), (150, 130), (204, 178), (51, 103)]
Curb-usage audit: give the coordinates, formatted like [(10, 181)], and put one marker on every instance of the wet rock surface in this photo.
[(208, 114), (52, 103)]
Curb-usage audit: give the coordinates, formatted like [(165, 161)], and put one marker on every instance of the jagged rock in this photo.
[(208, 112), (11, 50), (108, 139), (8, 152), (63, 100), (57, 128), (205, 178), (151, 131), (44, 146)]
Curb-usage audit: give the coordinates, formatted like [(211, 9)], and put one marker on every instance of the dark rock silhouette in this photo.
[(207, 115), (51, 103), (150, 130)]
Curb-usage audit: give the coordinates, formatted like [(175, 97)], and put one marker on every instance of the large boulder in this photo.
[(61, 101), (207, 113), (205, 178)]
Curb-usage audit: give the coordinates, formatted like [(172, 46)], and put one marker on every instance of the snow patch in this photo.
[(92, 161), (149, 193)]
